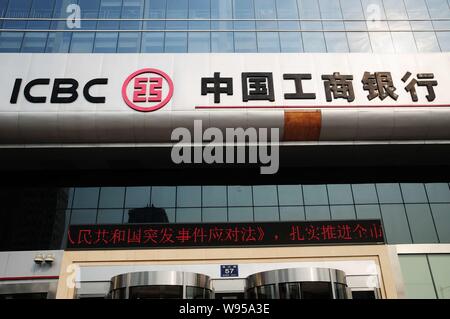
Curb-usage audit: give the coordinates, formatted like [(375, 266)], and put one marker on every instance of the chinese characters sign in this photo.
[(224, 234), (259, 86)]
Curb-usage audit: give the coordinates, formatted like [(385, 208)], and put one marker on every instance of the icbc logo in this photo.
[(147, 90)]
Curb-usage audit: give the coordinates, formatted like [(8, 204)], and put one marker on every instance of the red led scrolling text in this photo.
[(155, 236)]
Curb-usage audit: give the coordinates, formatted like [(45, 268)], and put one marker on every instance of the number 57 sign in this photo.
[(229, 271)]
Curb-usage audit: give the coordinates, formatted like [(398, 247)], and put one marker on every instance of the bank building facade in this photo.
[(225, 149)]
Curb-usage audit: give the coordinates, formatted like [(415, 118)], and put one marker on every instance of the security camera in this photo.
[(39, 259), (49, 259)]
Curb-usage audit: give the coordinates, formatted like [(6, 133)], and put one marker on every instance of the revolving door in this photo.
[(297, 283), (160, 285)]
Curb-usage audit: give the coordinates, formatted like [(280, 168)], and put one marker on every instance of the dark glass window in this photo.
[(293, 213), (365, 194), (189, 196), (156, 292), (317, 213), (266, 214), (240, 196), (153, 42), (214, 196), (214, 215), (82, 42), (34, 42), (112, 197), (163, 196), (395, 224), (86, 197), (189, 215), (421, 223), (137, 197), (340, 194), (265, 195), (316, 290), (105, 42), (240, 214), (129, 42), (389, 193), (315, 194)]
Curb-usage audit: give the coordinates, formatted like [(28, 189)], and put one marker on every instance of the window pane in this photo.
[(189, 215), (221, 9), (381, 42), (58, 42), (3, 7), (440, 265), (441, 215), (365, 194), (129, 42), (240, 214), (359, 42), (86, 197), (395, 224), (404, 42), (149, 215), (426, 42), (313, 42), (89, 10), (137, 197), (153, 42), (265, 9), (17, 9), (34, 42), (222, 42), (109, 9), (82, 42), (176, 42), (265, 195), (215, 215), (414, 193), (111, 197), (291, 42), (155, 10), (214, 196), (245, 42), (189, 196), (170, 212), (290, 194), (105, 42), (315, 194), (417, 277), (368, 211), (268, 42), (421, 223), (317, 213), (177, 9), (110, 216), (343, 212), (240, 196), (10, 41), (389, 193), (292, 213), (340, 194), (199, 9), (83, 216), (132, 9), (199, 42), (163, 196), (444, 41), (287, 9), (438, 192), (263, 214), (336, 42)]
